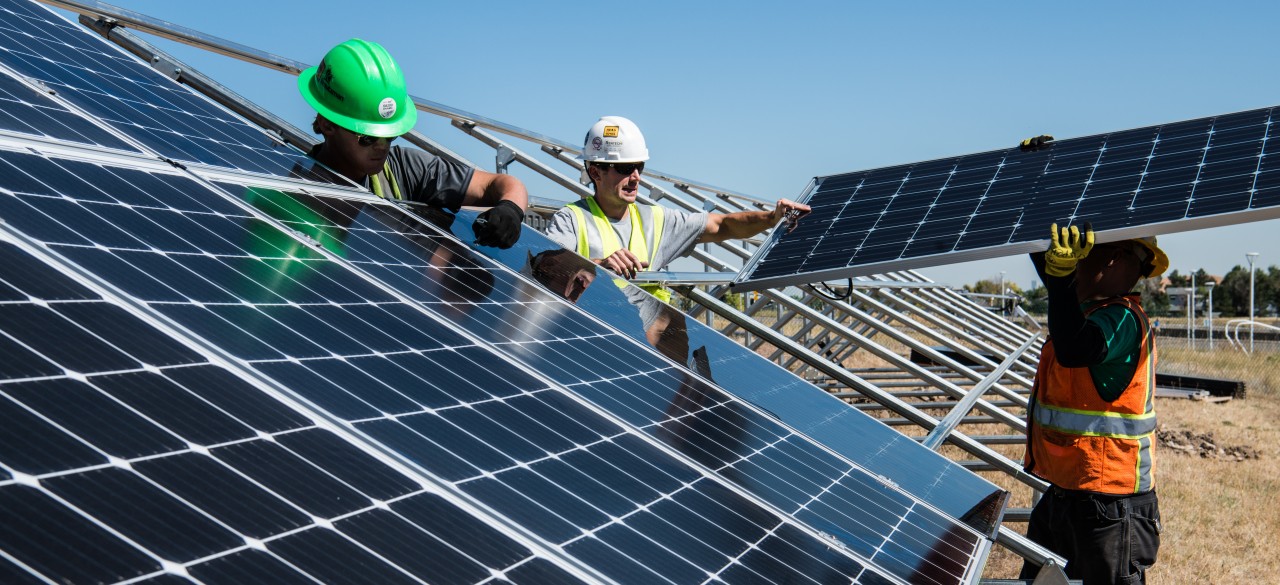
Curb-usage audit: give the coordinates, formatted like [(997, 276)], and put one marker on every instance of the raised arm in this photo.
[(744, 224)]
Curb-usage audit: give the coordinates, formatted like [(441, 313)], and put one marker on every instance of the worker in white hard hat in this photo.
[(1091, 420), (626, 237)]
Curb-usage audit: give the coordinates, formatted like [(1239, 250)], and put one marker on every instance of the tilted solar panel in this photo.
[(388, 372), (126, 94), (1187, 175)]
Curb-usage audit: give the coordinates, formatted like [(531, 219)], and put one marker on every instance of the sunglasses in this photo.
[(367, 141), (624, 168)]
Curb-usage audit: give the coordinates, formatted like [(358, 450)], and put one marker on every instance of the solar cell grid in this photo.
[(136, 100), (289, 340), (1198, 173), (110, 426), (25, 111)]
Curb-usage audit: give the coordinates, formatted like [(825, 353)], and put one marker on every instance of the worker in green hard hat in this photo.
[(361, 104)]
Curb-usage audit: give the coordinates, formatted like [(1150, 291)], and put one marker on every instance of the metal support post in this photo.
[(949, 422)]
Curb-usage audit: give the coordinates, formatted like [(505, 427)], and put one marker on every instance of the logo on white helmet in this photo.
[(597, 143), (387, 108)]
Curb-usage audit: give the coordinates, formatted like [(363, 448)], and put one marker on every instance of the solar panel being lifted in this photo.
[(1188, 175)]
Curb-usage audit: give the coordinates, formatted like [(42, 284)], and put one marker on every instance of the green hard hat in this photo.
[(359, 86)]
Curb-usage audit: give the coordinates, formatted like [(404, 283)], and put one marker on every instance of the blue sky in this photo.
[(759, 97)]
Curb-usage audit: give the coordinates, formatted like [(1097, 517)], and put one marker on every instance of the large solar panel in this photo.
[(126, 94), (1174, 177), (325, 387), (389, 373)]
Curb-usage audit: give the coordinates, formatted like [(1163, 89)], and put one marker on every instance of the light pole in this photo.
[(1251, 256), (1209, 285), (1191, 314), (1001, 299)]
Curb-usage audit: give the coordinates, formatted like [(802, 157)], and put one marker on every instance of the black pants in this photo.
[(1106, 539)]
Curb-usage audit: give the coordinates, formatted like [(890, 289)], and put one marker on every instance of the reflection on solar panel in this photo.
[(761, 456), (747, 376), (210, 375), (1160, 179), (119, 90)]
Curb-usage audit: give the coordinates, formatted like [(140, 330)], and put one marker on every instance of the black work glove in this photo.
[(499, 226)]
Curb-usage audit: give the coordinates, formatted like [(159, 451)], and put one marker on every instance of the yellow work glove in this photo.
[(1035, 142), (1066, 248)]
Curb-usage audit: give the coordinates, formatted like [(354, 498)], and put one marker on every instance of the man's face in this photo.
[(1108, 268), (617, 181), (352, 154)]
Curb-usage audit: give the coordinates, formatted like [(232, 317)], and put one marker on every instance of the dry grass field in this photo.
[(1221, 517)]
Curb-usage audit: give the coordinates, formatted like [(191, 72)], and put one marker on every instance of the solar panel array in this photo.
[(209, 375), (1174, 177)]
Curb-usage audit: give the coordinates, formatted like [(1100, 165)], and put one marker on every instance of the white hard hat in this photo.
[(614, 139)]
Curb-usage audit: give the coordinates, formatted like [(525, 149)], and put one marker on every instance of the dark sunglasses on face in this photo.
[(367, 141), (624, 168)]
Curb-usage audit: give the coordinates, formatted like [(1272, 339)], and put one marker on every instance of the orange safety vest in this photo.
[(1076, 440)]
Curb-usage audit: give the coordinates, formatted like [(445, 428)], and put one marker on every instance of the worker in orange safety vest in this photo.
[(1090, 420)]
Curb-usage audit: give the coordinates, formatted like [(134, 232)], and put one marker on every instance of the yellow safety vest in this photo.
[(376, 185), (610, 244)]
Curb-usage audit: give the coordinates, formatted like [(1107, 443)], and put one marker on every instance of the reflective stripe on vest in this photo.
[(376, 186), (1096, 424), (1077, 440), (609, 239)]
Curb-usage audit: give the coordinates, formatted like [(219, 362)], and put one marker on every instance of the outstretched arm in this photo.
[(744, 224)]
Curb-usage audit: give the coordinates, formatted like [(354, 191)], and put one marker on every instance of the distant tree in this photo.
[(1178, 280), (1036, 300), (1231, 298), (1154, 301)]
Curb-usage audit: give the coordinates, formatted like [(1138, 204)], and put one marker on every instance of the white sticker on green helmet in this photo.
[(387, 108)]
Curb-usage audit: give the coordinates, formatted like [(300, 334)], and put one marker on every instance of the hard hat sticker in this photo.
[(596, 143), (387, 108), (610, 131)]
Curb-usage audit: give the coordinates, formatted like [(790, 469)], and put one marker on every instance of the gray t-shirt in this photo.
[(426, 178), (680, 232)]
